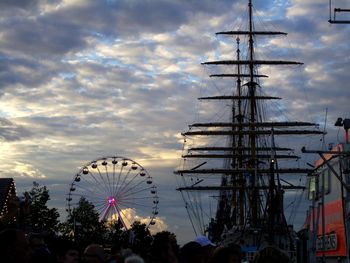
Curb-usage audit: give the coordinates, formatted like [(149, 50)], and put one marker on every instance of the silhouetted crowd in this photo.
[(17, 247)]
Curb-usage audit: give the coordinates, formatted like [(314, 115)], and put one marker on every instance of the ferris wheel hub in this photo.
[(112, 200)]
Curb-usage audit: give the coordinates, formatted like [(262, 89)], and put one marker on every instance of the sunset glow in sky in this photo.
[(81, 79)]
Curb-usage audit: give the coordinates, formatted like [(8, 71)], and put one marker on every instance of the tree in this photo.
[(140, 238), (116, 235), (84, 224), (41, 219), (165, 248)]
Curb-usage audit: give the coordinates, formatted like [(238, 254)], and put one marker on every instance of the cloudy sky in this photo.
[(81, 79)]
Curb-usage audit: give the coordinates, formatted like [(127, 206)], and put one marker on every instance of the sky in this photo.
[(82, 79)]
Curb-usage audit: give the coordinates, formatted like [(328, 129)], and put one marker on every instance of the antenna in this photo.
[(324, 130)]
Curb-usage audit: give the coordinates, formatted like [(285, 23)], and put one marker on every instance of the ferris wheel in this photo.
[(119, 188)]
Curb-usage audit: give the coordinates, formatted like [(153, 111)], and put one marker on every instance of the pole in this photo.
[(251, 86), (323, 221), (74, 227)]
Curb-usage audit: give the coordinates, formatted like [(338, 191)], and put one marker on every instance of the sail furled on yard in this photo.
[(243, 176)]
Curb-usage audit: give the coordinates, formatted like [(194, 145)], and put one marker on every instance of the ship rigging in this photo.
[(244, 173)]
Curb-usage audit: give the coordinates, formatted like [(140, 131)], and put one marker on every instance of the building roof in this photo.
[(6, 185)]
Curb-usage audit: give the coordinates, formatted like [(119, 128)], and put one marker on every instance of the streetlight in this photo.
[(346, 124)]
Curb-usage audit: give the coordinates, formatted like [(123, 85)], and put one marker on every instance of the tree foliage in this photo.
[(84, 223), (140, 238), (41, 219), (164, 247)]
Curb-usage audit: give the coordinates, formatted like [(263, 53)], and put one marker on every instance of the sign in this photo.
[(331, 242)]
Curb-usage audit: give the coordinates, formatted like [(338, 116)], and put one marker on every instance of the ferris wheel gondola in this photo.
[(119, 188)]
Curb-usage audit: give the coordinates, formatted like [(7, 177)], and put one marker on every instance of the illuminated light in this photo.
[(111, 200)]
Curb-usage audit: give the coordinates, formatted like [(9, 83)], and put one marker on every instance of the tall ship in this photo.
[(238, 166)]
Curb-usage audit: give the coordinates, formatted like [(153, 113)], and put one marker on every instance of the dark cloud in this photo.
[(26, 72), (18, 3), (10, 132), (42, 37), (130, 18), (66, 29)]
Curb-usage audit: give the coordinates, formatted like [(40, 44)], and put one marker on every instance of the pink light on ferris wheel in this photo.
[(111, 200)]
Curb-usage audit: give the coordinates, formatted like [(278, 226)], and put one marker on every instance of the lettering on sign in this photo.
[(331, 242)]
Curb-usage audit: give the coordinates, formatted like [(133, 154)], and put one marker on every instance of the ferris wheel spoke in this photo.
[(91, 196), (99, 208), (128, 203), (102, 186), (113, 184), (134, 192), (124, 217), (119, 175), (132, 202), (108, 214), (135, 198), (89, 193), (97, 182), (88, 177), (82, 187), (149, 199), (102, 211), (105, 184), (132, 188), (95, 203), (79, 189), (118, 187), (109, 182), (127, 184), (116, 210)]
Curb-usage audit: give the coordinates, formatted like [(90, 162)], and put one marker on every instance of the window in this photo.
[(312, 188)]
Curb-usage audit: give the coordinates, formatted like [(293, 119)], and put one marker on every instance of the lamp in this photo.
[(339, 122), (346, 124)]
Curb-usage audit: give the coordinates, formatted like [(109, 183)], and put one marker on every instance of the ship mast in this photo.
[(252, 136), (250, 185), (240, 140)]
